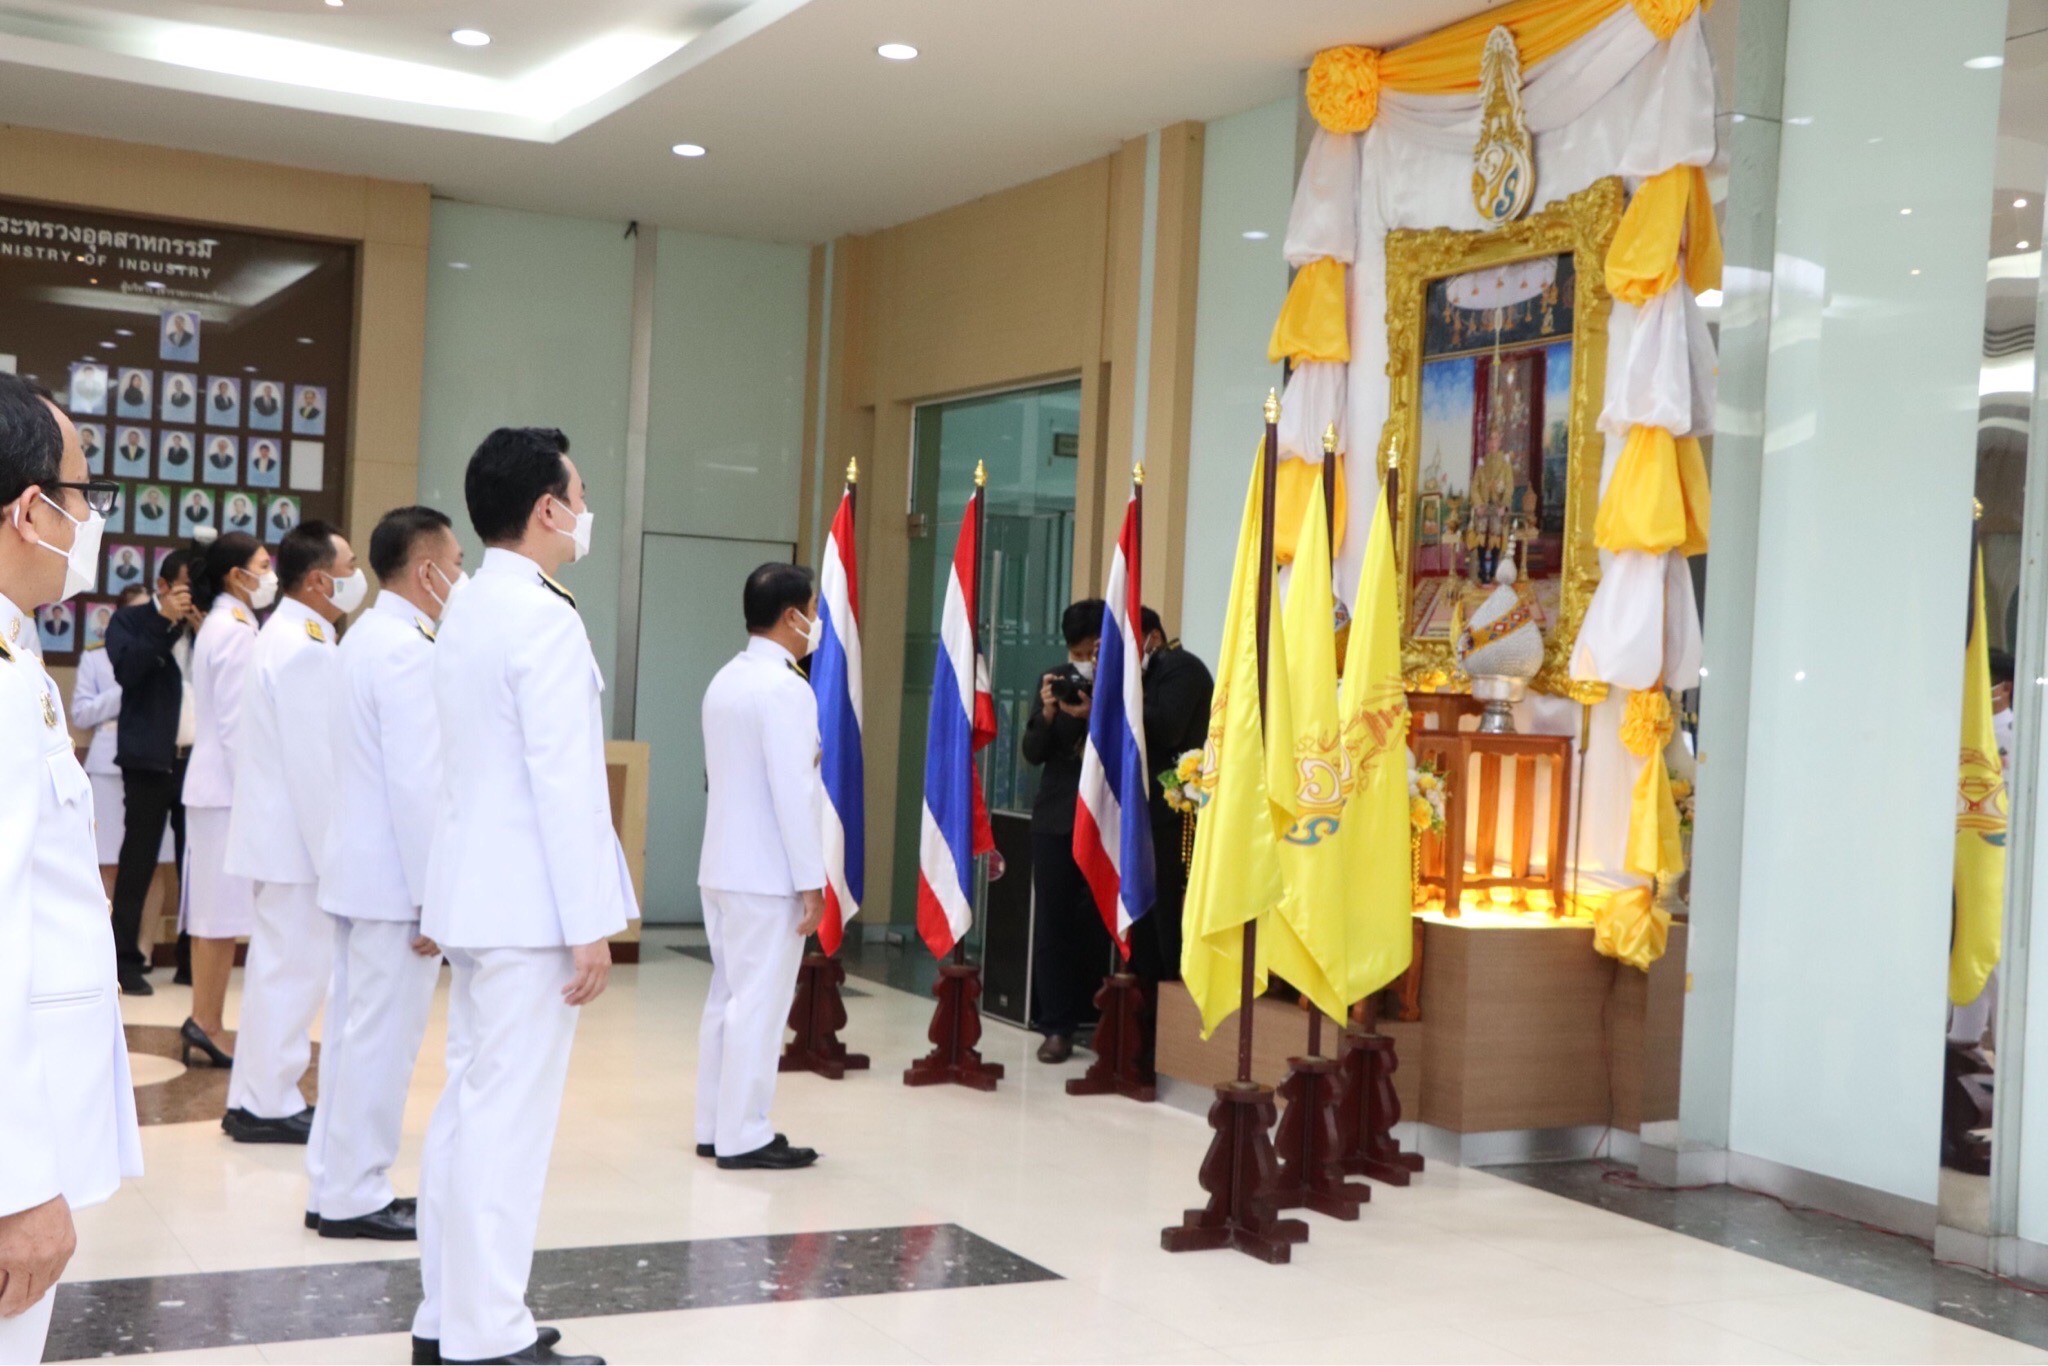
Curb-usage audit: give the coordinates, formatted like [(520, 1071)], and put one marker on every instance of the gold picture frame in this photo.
[(1581, 227)]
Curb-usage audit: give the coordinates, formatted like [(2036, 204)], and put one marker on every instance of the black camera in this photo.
[(1069, 687)]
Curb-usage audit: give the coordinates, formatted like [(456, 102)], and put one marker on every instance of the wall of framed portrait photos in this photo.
[(208, 371)]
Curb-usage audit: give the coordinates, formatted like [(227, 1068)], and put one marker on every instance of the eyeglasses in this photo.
[(101, 495)]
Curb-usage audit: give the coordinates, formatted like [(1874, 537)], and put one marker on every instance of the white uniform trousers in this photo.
[(291, 954), (22, 1337), (486, 1160), (755, 950), (377, 1005)]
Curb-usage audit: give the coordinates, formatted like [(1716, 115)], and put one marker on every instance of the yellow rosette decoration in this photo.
[(1344, 88)]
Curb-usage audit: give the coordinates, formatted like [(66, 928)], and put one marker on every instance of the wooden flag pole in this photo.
[(1122, 1023), (818, 1012), (1240, 1167), (1311, 1170), (956, 1023)]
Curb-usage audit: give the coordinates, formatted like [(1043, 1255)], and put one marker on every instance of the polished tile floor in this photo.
[(942, 1225)]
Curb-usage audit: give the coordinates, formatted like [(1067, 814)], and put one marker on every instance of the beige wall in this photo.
[(1036, 283), (387, 221)]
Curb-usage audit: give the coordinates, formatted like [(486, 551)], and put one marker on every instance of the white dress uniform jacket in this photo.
[(96, 706), (387, 766), (284, 760), (220, 671), (524, 854), (67, 1106), (763, 825)]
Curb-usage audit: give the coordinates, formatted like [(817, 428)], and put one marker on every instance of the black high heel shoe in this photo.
[(191, 1036)]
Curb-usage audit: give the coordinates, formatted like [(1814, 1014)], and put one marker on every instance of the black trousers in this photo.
[(1156, 939), (150, 798), (1070, 949)]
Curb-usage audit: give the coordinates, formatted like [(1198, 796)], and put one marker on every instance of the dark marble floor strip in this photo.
[(1847, 1253), (354, 1299)]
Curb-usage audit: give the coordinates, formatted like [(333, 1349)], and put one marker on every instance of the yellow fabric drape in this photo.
[(1344, 83), (1630, 926), (1654, 844), (1699, 502), (1311, 325), (1642, 261), (1234, 876), (1644, 507), (1702, 235), (1980, 821), (1291, 491)]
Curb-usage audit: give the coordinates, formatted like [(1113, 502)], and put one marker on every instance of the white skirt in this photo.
[(217, 904), (109, 820)]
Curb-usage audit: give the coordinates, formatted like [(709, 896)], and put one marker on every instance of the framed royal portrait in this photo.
[(1497, 360)]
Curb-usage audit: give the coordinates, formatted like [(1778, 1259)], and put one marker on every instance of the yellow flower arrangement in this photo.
[(1181, 784), (1344, 88), (1421, 814)]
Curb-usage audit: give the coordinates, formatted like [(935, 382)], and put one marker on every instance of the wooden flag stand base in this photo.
[(816, 1016), (956, 1029), (1119, 1042), (1369, 1110), (1311, 1173), (1239, 1173)]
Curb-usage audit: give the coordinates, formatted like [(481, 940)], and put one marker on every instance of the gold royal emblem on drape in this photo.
[(1504, 158)]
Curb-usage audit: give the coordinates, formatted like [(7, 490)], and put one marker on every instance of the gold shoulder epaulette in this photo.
[(564, 594), (424, 629), (6, 650), (313, 630), (241, 616)]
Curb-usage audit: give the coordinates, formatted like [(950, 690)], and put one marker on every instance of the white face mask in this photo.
[(814, 631), (82, 560), (349, 593), (1085, 668), (581, 535), (266, 589), (455, 585)]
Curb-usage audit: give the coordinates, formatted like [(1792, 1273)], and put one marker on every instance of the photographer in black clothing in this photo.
[(1178, 690), (1070, 949)]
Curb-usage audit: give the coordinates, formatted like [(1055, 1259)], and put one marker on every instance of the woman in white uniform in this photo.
[(232, 581)]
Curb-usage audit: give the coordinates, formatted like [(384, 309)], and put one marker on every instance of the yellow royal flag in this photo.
[(1235, 877), (1980, 822), (1373, 710), (1311, 933)]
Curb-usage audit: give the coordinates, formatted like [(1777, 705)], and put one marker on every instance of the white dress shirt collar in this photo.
[(767, 649), (17, 628), (498, 560), (393, 605)]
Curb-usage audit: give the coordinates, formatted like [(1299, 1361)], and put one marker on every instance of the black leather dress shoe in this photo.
[(711, 1149), (776, 1155), (313, 1219), (389, 1225), (1056, 1048), (244, 1127), (427, 1351), (135, 984)]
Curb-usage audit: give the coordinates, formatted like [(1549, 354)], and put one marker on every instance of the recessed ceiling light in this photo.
[(2020, 203), (471, 37), (458, 265), (305, 341), (248, 369), (1256, 235), (1905, 213), (106, 346), (687, 149), (123, 332), (336, 4), (1985, 63), (1915, 270), (896, 52), (2022, 244)]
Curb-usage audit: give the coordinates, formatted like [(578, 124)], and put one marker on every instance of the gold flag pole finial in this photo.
[(980, 474), (1976, 509), (853, 471), (1272, 406), (1330, 439), (1138, 473)]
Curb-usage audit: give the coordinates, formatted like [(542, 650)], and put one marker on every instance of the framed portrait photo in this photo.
[(97, 615), (279, 516), (309, 410), (195, 510), (134, 393), (88, 389), (177, 458), (223, 459), (92, 439), (131, 452), (181, 397), (57, 628), (223, 401), (266, 470), (152, 512), (178, 336), (126, 566), (238, 513), (266, 405)]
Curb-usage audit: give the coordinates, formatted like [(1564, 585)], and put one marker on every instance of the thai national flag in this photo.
[(1112, 827), (963, 720), (835, 677)]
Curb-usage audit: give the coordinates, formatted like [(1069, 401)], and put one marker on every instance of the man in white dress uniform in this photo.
[(373, 876), (762, 869), (277, 827), (525, 885), (67, 1109)]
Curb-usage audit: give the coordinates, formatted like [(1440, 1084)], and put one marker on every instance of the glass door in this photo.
[(1030, 441)]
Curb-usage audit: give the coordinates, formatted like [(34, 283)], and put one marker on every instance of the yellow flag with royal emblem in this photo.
[(1311, 933), (1372, 707), (1234, 876), (1980, 821)]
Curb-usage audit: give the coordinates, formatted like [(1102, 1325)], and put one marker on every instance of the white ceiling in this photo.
[(574, 104)]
